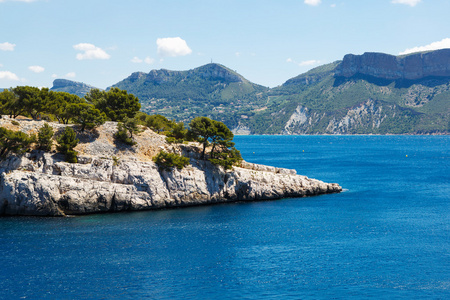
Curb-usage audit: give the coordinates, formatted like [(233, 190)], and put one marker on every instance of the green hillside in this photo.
[(320, 102), (360, 94), (211, 90)]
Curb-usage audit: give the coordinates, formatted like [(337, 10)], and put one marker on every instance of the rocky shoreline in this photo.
[(110, 179)]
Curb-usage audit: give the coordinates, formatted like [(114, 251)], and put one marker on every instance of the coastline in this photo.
[(110, 178)]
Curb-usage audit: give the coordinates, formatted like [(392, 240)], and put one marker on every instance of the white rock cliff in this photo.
[(39, 183)]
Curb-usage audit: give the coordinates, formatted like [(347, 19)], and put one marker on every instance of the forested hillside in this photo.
[(362, 94)]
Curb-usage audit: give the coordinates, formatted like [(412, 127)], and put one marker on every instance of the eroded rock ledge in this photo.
[(40, 183)]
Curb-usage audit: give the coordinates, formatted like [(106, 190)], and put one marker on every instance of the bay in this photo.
[(386, 236)]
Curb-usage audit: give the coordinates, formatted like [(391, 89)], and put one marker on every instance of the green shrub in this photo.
[(178, 132), (227, 158), (14, 122), (122, 135), (158, 123), (17, 142), (67, 142), (173, 140), (45, 135), (71, 156), (166, 160)]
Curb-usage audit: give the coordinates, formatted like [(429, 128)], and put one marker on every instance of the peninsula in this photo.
[(112, 177)]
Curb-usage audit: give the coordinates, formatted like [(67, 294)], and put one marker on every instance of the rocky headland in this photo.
[(110, 177)]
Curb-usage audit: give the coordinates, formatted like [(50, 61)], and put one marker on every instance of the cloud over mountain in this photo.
[(445, 43), (148, 60), (90, 51), (172, 47)]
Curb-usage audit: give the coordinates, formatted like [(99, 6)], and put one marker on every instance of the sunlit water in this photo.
[(386, 236)]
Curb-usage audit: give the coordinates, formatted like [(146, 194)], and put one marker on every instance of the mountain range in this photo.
[(372, 93)]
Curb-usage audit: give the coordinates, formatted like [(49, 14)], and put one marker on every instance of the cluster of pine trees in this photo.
[(91, 111), (96, 108)]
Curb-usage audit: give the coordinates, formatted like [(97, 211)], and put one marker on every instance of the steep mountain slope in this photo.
[(210, 90), (371, 93), (72, 87)]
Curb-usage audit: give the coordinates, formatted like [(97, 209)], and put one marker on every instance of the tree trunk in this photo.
[(204, 150)]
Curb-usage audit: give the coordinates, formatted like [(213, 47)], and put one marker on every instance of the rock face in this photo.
[(39, 183), (210, 72), (42, 184), (78, 88), (390, 67)]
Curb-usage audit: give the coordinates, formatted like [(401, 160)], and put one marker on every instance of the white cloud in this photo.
[(136, 60), (238, 54), (54, 76), (333, 5), (172, 47), (407, 2), (70, 75), (90, 52), (445, 43), (313, 2), (1, 65), (149, 60), (309, 62), (7, 46), (304, 63), (8, 75), (36, 69), (28, 1)]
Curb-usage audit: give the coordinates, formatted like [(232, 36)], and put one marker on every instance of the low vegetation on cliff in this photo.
[(95, 109)]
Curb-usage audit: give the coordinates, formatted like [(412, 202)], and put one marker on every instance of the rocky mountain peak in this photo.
[(72, 87), (60, 83), (217, 71)]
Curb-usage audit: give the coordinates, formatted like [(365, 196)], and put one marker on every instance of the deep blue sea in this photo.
[(387, 236)]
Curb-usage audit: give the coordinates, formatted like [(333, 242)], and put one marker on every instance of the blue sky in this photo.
[(101, 42)]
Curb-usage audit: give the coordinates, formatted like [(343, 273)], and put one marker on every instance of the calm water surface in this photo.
[(386, 236)]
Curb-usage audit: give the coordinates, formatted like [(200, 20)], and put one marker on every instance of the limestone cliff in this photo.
[(110, 178), (390, 67)]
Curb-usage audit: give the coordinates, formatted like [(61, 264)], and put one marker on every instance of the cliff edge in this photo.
[(110, 178), (408, 67)]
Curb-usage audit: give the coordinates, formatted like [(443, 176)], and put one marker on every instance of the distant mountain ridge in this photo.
[(72, 87), (372, 93), (212, 90), (409, 67)]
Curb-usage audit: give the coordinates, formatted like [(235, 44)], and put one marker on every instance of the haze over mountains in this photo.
[(370, 93)]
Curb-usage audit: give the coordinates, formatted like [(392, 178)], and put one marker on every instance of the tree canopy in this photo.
[(67, 141), (16, 142), (208, 131), (45, 135), (117, 104), (219, 136)]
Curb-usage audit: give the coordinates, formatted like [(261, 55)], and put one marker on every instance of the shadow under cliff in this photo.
[(431, 81)]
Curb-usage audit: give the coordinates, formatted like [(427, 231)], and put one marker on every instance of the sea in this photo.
[(386, 236)]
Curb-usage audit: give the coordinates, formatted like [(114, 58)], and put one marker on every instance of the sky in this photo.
[(101, 42)]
